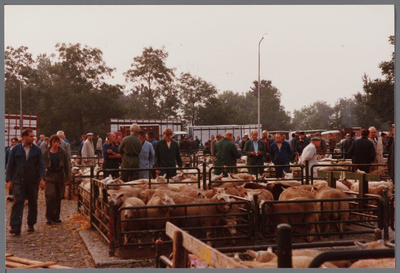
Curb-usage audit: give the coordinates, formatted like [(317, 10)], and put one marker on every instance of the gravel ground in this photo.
[(59, 243)]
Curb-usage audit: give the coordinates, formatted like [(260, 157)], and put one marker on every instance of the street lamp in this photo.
[(258, 87), (20, 105)]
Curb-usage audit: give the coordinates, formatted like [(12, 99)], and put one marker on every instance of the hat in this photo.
[(89, 134), (315, 139)]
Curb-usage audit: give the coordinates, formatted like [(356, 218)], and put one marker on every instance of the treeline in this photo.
[(69, 91)]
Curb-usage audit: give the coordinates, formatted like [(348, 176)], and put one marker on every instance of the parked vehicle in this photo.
[(121, 126), (12, 126)]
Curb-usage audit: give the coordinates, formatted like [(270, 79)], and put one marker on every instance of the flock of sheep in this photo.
[(218, 206)]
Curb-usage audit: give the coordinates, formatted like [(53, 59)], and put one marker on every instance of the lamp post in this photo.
[(258, 87), (20, 105)]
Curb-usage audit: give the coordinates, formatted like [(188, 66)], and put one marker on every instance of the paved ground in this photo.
[(59, 243)]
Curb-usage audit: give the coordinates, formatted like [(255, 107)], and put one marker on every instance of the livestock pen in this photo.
[(253, 222), (189, 252)]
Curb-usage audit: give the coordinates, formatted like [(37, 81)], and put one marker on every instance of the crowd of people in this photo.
[(32, 164)]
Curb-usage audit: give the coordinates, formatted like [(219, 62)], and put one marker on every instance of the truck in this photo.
[(204, 132), (12, 126), (121, 126)]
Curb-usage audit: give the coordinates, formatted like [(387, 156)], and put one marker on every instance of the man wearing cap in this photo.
[(322, 147), (88, 150), (310, 153)]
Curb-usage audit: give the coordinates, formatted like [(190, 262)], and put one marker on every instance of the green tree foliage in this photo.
[(67, 93), (194, 93), (19, 70), (344, 116), (314, 116), (378, 95), (151, 78), (219, 111), (272, 114)]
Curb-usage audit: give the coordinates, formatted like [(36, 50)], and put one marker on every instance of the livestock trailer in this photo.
[(12, 126), (121, 126), (204, 132)]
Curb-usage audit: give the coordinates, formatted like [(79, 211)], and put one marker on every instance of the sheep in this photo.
[(132, 213), (339, 185), (283, 213), (262, 194), (373, 263), (275, 188), (205, 213), (376, 187), (297, 191), (159, 199), (268, 259), (335, 210)]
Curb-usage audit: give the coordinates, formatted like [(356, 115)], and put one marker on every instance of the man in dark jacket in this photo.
[(347, 144), (362, 151), (301, 143), (130, 149), (184, 146), (226, 154), (25, 173), (167, 154), (281, 154), (255, 151)]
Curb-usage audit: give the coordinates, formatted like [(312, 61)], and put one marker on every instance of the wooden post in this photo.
[(332, 180), (307, 173), (385, 212), (284, 242), (178, 260), (111, 229), (92, 199), (208, 254), (159, 249), (204, 176)]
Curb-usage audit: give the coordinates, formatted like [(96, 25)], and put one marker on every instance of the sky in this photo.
[(310, 53)]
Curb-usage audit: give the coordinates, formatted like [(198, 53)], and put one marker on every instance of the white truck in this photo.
[(12, 126), (204, 132)]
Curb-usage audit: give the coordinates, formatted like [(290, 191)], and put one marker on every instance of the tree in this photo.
[(344, 110), (194, 93), (218, 111), (150, 77), (314, 116), (19, 69), (272, 114), (379, 95), (75, 97)]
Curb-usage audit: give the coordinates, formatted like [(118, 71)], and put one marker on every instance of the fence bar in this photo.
[(338, 255)]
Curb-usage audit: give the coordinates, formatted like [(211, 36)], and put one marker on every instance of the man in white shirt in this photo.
[(310, 153), (88, 150)]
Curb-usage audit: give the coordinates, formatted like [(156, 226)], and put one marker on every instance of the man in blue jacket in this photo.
[(25, 173), (281, 154)]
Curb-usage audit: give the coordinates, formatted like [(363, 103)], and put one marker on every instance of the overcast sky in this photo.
[(310, 53)]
